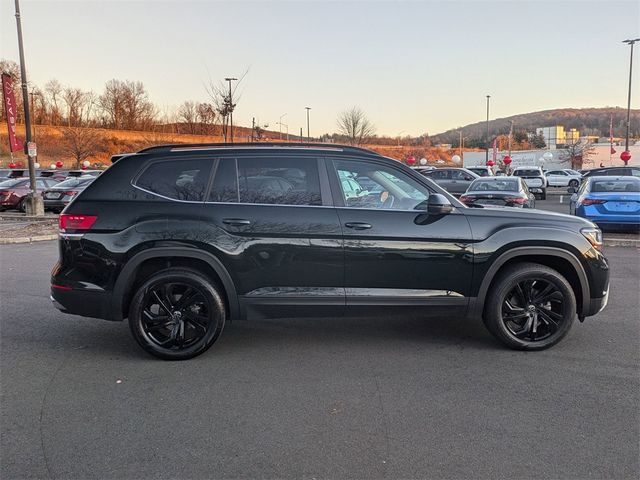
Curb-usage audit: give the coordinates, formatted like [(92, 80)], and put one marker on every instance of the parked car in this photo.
[(7, 173), (453, 180), (58, 196), (13, 192), (181, 258), (499, 191), (58, 175), (482, 171), (534, 178), (563, 178), (608, 201), (612, 171), (423, 168)]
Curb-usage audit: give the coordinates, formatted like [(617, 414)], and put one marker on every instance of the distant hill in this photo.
[(589, 121)]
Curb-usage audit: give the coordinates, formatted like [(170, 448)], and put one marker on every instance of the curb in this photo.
[(621, 242), (36, 238)]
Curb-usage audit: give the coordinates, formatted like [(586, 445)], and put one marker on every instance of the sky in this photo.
[(412, 67)]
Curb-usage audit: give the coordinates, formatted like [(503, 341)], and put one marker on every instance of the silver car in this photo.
[(453, 180)]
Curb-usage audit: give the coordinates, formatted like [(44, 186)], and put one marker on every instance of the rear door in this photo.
[(276, 231), (460, 181)]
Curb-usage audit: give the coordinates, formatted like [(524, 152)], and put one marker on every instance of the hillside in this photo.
[(589, 121)]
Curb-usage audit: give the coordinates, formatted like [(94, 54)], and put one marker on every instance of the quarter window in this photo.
[(178, 179)]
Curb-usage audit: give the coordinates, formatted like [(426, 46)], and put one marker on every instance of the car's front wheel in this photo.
[(530, 307), (574, 183), (177, 314)]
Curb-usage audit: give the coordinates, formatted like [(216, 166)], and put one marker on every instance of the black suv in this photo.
[(180, 239)]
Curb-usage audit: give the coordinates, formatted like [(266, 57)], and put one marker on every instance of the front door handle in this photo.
[(358, 225), (236, 222)]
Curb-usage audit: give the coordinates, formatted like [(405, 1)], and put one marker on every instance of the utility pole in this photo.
[(308, 136), (487, 150), (231, 105), (627, 154), (307, 131), (35, 205), (460, 143), (510, 134), (253, 128)]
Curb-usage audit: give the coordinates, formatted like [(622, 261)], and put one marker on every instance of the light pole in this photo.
[(285, 126), (279, 122), (400, 133), (626, 155), (35, 205), (231, 106), (487, 150), (308, 136)]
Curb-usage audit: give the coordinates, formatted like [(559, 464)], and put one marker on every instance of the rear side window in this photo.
[(275, 181), (440, 174), (177, 179), (527, 173)]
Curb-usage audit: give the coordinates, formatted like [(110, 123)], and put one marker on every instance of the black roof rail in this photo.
[(256, 145), (115, 158)]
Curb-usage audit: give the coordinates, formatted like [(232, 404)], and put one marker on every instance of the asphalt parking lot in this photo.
[(322, 398)]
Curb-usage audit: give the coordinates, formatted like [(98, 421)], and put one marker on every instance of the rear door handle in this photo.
[(358, 225), (236, 222)]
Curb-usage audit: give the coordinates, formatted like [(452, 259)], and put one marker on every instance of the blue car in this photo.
[(608, 201)]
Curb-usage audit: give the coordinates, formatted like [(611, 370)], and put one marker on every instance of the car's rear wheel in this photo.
[(574, 183), (177, 314), (530, 307), (543, 195), (22, 206)]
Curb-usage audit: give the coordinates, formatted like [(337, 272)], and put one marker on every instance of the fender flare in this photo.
[(477, 305), (126, 276)]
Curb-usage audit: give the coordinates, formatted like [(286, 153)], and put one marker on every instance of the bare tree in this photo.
[(54, 89), (355, 125), (188, 115), (207, 118), (578, 152), (76, 100), (224, 101), (126, 105), (81, 143)]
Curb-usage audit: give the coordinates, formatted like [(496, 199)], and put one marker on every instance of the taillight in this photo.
[(70, 193), (68, 221), (516, 200), (591, 201), (467, 198)]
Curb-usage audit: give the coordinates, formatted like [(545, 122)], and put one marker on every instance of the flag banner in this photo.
[(15, 144)]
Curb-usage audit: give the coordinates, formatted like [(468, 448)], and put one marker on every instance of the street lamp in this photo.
[(400, 133), (279, 122), (626, 155), (283, 125), (487, 151), (231, 106), (308, 136)]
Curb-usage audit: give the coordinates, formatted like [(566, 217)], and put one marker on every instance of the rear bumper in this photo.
[(94, 304)]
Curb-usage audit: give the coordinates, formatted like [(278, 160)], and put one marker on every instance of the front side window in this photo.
[(461, 175), (369, 185), (440, 174), (178, 179)]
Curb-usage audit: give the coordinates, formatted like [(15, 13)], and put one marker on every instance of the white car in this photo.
[(563, 178)]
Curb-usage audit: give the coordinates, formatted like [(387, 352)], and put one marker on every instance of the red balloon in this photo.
[(83, 167), (59, 164), (12, 165), (507, 160), (411, 160), (625, 156), (491, 163)]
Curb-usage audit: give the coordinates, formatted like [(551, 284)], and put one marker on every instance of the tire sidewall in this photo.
[(503, 287), (183, 276)]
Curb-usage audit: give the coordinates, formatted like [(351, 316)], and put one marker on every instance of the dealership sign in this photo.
[(11, 109)]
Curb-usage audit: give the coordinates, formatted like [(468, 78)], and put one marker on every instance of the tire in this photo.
[(522, 324), (22, 205), (177, 314), (574, 183), (543, 196)]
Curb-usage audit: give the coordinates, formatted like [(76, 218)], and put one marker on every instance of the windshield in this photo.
[(14, 182), (494, 186), (527, 173), (74, 182), (604, 186)]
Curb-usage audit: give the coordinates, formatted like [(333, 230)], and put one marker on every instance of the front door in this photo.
[(396, 255)]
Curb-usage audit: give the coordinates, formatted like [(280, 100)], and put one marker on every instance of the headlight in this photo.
[(594, 235)]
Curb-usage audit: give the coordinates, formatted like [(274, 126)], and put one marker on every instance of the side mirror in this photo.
[(571, 190), (438, 204)]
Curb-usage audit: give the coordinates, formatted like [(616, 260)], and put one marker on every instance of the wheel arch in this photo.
[(563, 261), (179, 256)]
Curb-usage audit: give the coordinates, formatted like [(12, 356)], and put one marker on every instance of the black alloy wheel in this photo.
[(530, 307), (574, 183), (176, 314)]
